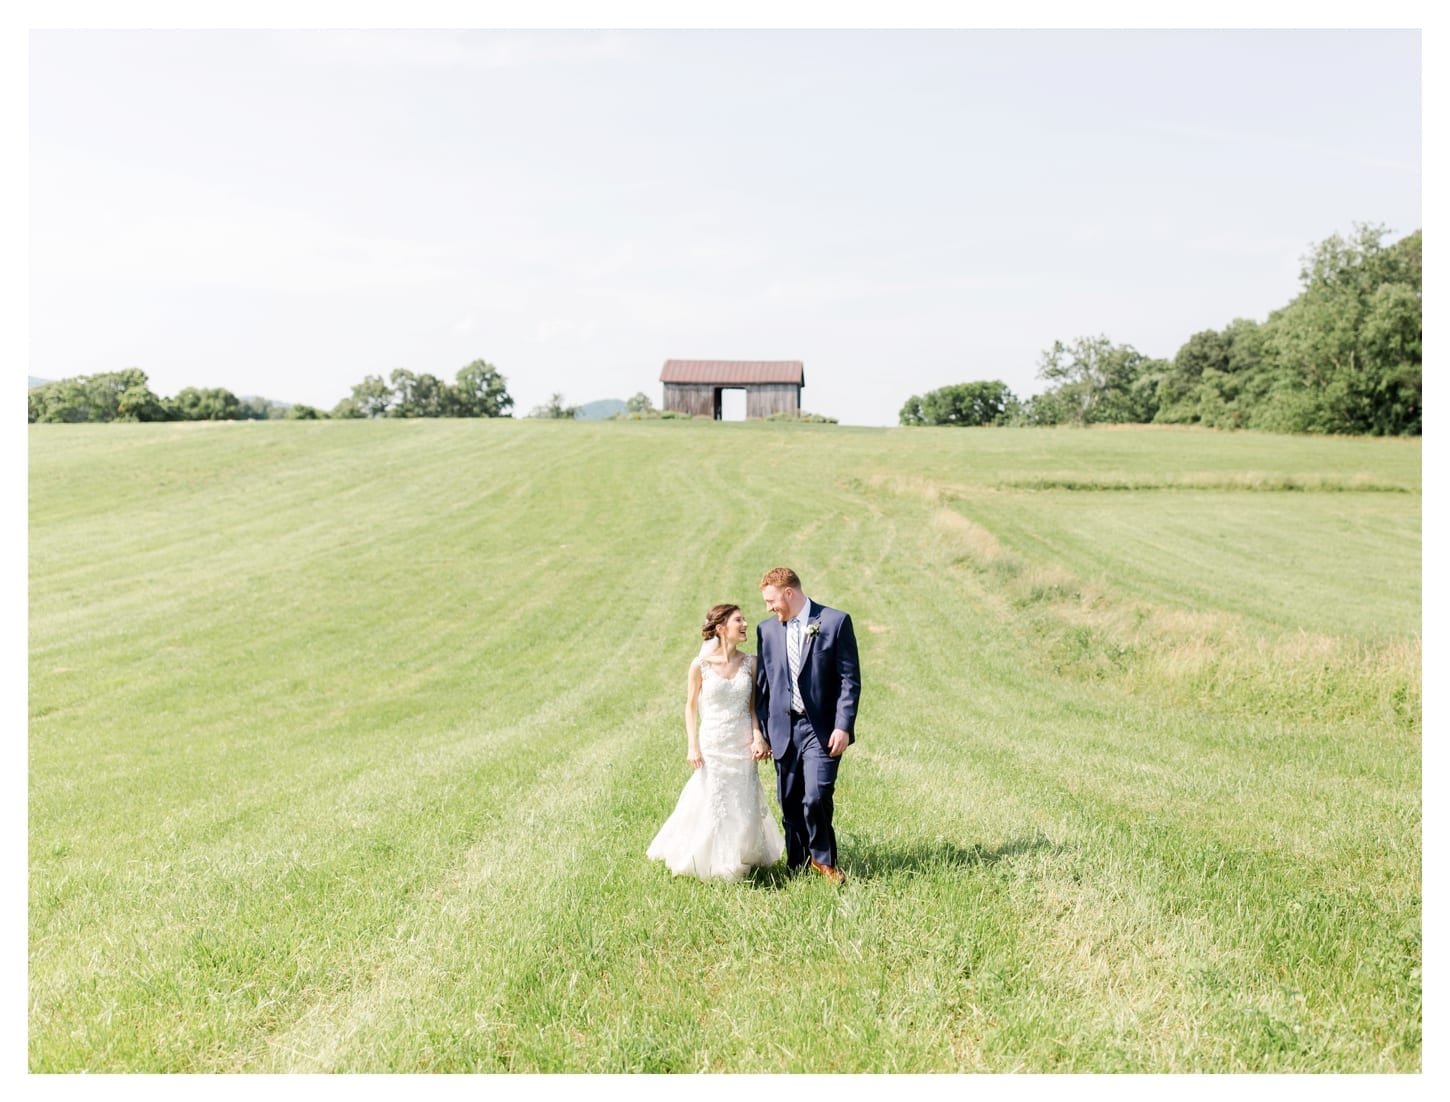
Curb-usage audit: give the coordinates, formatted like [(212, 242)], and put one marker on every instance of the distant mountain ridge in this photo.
[(601, 410)]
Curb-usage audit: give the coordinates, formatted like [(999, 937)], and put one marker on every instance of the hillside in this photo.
[(346, 740)]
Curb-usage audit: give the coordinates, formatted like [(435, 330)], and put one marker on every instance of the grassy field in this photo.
[(346, 741)]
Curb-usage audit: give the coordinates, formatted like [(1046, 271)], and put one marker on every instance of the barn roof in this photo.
[(734, 372)]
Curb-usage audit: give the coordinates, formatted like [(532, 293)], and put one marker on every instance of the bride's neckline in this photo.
[(714, 667)]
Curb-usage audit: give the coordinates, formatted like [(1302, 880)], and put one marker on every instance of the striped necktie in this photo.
[(793, 656)]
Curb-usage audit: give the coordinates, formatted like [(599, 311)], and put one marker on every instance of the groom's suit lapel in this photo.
[(783, 649), (812, 613)]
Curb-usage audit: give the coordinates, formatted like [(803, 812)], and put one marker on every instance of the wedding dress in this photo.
[(721, 825)]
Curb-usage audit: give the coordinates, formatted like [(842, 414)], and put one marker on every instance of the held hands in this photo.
[(759, 748), (692, 755), (839, 741)]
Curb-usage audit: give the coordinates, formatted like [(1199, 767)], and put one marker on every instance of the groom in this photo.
[(807, 684)]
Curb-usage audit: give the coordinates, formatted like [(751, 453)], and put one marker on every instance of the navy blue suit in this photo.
[(830, 687)]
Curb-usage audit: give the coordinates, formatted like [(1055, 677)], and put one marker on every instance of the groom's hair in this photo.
[(781, 577)]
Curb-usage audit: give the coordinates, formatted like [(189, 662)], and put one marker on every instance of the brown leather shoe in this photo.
[(830, 872)]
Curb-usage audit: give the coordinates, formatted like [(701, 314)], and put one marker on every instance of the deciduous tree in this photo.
[(964, 404), (108, 396), (1098, 382), (1347, 353), (209, 404), (480, 391), (418, 395), (555, 409), (372, 397)]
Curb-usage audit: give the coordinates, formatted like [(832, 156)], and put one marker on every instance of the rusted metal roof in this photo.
[(733, 372)]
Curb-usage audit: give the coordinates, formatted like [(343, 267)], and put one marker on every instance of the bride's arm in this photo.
[(692, 714), (759, 748)]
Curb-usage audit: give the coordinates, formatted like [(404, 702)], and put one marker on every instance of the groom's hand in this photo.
[(839, 741)]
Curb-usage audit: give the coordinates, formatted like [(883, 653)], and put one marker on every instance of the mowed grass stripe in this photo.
[(275, 889), (529, 845), (1257, 556)]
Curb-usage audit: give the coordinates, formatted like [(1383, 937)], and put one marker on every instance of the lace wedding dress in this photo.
[(721, 825)]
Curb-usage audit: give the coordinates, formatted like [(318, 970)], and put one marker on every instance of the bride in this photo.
[(721, 826)]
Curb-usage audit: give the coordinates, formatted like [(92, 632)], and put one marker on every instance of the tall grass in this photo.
[(346, 741)]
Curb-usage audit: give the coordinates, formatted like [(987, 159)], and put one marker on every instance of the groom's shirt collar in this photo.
[(803, 616)]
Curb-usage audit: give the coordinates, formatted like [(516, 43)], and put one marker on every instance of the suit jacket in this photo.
[(830, 678)]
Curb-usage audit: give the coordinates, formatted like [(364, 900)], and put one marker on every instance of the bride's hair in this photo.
[(715, 617)]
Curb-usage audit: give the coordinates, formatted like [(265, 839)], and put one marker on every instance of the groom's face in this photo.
[(779, 600)]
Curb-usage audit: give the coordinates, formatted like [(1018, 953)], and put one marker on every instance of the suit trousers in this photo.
[(805, 779)]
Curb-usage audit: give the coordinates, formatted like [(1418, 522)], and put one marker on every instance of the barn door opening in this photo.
[(731, 405)]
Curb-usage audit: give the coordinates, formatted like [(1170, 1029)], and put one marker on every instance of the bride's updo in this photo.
[(715, 618)]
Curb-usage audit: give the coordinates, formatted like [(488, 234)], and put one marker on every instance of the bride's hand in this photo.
[(759, 748), (694, 758)]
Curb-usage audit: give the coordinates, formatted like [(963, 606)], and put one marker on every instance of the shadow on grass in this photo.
[(881, 860)]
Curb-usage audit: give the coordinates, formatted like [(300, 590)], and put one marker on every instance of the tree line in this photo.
[(478, 390), (1343, 357)]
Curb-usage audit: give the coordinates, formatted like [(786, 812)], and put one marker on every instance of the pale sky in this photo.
[(283, 212)]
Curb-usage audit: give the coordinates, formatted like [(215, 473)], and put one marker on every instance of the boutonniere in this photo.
[(812, 630)]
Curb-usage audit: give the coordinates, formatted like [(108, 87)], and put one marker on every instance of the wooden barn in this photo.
[(771, 386)]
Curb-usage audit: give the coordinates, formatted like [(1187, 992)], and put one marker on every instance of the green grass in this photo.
[(346, 741)]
